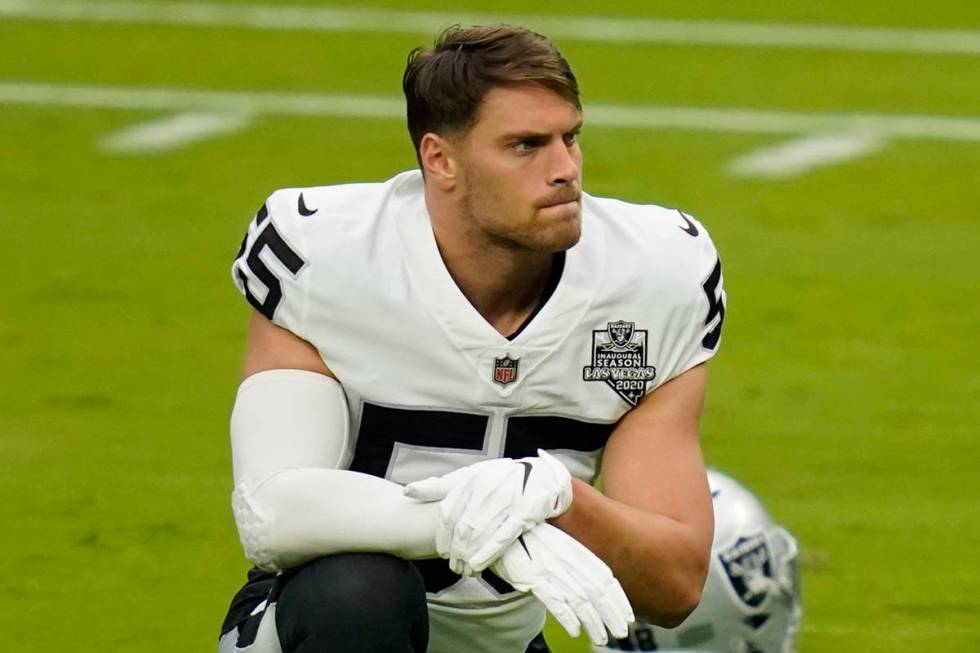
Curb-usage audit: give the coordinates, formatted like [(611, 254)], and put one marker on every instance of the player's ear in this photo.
[(438, 160)]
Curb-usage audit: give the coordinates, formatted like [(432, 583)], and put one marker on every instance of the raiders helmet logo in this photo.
[(748, 565)]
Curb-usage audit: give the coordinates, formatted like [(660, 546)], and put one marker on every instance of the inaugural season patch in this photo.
[(748, 565), (619, 357), (505, 369)]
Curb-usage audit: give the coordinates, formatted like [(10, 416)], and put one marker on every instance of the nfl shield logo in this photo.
[(505, 369)]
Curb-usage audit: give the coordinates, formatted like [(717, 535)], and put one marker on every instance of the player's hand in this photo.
[(486, 506), (571, 581)]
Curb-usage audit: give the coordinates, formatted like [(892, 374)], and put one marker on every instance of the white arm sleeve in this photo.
[(289, 433)]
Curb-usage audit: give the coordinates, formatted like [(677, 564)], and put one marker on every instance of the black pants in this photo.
[(364, 602)]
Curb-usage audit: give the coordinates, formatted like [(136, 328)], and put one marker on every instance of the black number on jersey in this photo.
[(290, 260), (716, 306), (383, 427)]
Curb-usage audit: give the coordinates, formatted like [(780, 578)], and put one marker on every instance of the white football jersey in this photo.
[(432, 386)]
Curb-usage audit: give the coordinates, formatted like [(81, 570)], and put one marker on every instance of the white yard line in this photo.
[(173, 132), (167, 99), (782, 122), (597, 115), (799, 156), (824, 139), (392, 108), (581, 28)]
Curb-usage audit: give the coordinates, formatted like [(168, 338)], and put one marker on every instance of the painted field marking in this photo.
[(392, 108), (174, 131), (165, 99), (576, 28), (799, 156)]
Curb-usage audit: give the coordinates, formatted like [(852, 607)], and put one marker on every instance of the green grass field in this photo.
[(846, 393)]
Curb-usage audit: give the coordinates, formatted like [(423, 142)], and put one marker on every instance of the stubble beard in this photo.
[(482, 212)]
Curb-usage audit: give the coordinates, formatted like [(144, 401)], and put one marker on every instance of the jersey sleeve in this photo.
[(269, 267), (701, 313)]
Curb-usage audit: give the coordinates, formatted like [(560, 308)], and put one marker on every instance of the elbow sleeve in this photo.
[(289, 432), (302, 514), (255, 528), (285, 419)]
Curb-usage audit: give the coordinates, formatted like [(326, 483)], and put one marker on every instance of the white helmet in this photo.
[(751, 601)]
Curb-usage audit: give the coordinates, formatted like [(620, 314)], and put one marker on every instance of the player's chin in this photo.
[(563, 227)]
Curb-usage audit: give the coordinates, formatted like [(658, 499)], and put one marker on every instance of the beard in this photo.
[(518, 225)]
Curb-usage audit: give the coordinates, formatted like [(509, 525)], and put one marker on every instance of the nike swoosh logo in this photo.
[(302, 207), (690, 229), (527, 475), (521, 540)]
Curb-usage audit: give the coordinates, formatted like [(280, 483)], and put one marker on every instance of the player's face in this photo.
[(521, 169)]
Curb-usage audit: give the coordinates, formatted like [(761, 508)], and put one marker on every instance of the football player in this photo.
[(438, 364), (751, 601)]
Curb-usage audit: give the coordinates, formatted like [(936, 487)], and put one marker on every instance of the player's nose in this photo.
[(564, 163)]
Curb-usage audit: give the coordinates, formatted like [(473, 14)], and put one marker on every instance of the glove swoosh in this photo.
[(527, 475)]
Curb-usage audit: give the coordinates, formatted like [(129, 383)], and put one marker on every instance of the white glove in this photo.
[(486, 506), (572, 583)]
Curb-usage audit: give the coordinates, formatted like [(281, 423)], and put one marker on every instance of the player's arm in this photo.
[(653, 522), (289, 433), (270, 347)]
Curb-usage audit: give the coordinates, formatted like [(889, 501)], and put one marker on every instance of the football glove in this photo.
[(486, 506), (571, 581)]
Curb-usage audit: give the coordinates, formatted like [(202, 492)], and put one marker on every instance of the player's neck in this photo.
[(504, 297), (504, 283)]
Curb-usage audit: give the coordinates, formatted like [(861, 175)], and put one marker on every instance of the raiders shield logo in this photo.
[(621, 333), (748, 564), (505, 369), (619, 357)]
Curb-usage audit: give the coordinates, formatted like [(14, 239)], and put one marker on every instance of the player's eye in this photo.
[(527, 145), (570, 138)]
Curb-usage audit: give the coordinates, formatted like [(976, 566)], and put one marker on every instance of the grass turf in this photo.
[(845, 393)]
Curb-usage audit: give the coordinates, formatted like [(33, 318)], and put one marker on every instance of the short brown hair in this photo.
[(445, 84)]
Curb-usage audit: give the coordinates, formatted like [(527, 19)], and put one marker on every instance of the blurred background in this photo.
[(833, 150)]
